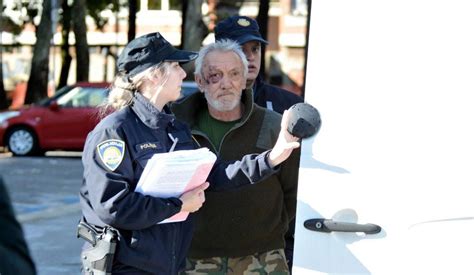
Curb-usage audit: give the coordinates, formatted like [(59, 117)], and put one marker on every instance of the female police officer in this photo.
[(117, 150)]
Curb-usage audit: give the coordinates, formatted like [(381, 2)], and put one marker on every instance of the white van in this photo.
[(385, 186)]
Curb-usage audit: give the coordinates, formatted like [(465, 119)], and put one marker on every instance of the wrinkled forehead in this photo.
[(222, 61)]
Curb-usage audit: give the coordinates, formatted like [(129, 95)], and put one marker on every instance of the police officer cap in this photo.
[(149, 50), (303, 120), (239, 28)]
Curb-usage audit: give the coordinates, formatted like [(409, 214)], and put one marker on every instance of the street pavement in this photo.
[(44, 192)]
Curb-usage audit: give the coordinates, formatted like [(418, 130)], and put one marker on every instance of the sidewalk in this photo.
[(52, 241), (44, 192)]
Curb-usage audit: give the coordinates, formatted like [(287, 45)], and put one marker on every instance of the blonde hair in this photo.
[(123, 87)]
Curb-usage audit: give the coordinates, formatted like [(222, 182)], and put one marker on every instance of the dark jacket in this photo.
[(107, 194), (272, 97), (278, 100), (252, 218), (14, 255)]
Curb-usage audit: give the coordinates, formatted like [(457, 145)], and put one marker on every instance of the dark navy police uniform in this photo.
[(114, 157), (272, 97)]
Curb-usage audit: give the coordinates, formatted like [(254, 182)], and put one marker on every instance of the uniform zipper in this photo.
[(173, 251)]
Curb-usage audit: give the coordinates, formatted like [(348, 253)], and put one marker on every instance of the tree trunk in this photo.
[(262, 20), (132, 18), (38, 81), (3, 94), (184, 11), (82, 47), (194, 32), (226, 8), (194, 29), (65, 54)]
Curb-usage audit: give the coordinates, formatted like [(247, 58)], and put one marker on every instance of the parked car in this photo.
[(60, 122), (188, 88)]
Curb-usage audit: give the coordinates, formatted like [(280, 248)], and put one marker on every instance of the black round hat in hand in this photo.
[(303, 121)]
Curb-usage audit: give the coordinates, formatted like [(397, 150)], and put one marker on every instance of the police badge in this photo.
[(243, 22), (111, 153)]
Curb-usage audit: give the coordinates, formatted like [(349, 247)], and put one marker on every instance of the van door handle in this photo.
[(328, 225)]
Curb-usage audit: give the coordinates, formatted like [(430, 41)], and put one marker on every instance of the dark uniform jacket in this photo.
[(252, 218), (278, 100), (14, 255), (114, 157), (272, 97)]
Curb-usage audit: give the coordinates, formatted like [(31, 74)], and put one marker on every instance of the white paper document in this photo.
[(172, 174)]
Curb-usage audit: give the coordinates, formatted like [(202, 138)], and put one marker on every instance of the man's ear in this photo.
[(200, 82), (154, 76)]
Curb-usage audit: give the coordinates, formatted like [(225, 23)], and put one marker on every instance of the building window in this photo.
[(162, 4), (154, 4), (176, 5)]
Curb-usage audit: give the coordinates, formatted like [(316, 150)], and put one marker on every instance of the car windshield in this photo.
[(45, 101), (82, 97), (77, 96)]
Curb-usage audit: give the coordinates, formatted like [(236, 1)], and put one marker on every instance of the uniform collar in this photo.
[(149, 114), (256, 86)]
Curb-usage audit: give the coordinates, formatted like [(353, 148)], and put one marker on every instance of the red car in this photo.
[(61, 122)]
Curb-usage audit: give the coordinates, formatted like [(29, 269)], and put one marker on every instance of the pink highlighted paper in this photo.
[(197, 179), (172, 174)]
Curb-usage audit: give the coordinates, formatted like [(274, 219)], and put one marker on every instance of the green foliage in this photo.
[(96, 7), (8, 25), (226, 8), (20, 13), (27, 10)]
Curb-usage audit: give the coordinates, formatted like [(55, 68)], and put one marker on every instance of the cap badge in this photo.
[(243, 22)]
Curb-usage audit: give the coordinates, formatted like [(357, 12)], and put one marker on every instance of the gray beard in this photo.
[(221, 106)]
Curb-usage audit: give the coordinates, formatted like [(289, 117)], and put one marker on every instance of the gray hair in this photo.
[(225, 45), (123, 87)]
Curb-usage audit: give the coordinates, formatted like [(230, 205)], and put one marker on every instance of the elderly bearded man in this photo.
[(242, 230)]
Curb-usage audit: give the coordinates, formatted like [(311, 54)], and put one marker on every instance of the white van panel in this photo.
[(394, 83)]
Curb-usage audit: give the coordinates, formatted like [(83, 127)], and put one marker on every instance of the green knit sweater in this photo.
[(253, 218)]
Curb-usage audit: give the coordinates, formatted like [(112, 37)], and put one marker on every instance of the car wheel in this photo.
[(22, 142)]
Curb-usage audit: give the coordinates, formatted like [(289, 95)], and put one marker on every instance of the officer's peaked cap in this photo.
[(148, 50), (239, 28)]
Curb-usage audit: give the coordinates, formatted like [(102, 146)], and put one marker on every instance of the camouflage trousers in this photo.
[(271, 262)]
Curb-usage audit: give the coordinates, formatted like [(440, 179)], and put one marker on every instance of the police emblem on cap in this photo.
[(111, 153), (243, 22)]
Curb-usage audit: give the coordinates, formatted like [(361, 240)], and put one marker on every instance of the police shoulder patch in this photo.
[(111, 153)]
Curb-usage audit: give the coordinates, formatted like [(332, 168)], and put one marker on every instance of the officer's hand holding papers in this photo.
[(175, 173)]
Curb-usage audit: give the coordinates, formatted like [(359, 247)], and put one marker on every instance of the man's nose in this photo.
[(225, 82), (250, 56)]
